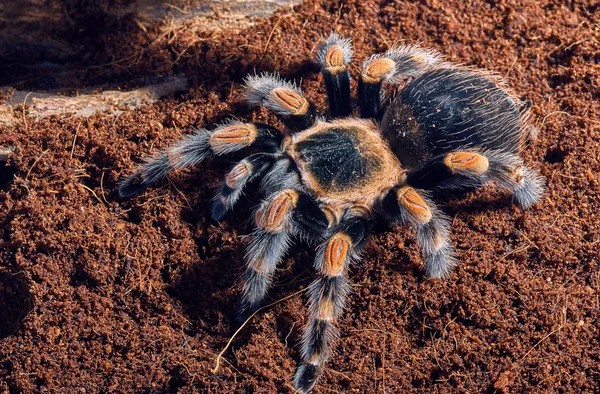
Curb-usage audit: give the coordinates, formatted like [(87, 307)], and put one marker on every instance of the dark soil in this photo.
[(99, 294)]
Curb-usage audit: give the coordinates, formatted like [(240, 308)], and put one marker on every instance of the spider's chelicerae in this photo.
[(327, 176)]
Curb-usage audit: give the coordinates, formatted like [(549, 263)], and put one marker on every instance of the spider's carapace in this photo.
[(345, 161)]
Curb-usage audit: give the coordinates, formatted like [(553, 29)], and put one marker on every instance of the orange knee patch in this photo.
[(291, 101), (240, 134), (335, 254), (238, 174), (467, 162), (273, 218), (334, 59), (376, 70), (411, 200)]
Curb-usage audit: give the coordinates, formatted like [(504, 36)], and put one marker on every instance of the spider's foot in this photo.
[(306, 377), (131, 186), (530, 189), (219, 210), (245, 310), (440, 263)]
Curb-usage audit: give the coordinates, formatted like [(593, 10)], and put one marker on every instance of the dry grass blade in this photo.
[(220, 356)]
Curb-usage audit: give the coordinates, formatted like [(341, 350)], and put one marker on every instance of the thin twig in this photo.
[(552, 114), (91, 191), (218, 361), (24, 114), (35, 162), (74, 139), (271, 36), (102, 188)]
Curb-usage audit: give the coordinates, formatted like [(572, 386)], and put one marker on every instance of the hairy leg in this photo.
[(285, 214), (195, 148), (327, 300), (253, 166), (471, 169), (392, 66), (334, 55), (282, 97), (407, 205)]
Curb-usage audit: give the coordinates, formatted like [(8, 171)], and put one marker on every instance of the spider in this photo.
[(425, 124)]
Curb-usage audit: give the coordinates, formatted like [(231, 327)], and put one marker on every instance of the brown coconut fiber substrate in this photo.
[(99, 294)]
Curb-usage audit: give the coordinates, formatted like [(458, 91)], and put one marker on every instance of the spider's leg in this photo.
[(334, 55), (253, 166), (282, 97), (282, 175), (200, 145), (327, 299), (406, 204), (470, 169), (284, 214), (392, 66)]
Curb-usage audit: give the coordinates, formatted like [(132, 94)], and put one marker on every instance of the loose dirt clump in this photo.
[(99, 294)]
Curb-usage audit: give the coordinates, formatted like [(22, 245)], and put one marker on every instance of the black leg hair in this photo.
[(334, 55), (253, 166), (525, 184), (454, 169), (283, 215), (407, 205), (281, 97), (196, 147), (470, 169), (328, 295), (282, 175), (263, 253), (391, 66)]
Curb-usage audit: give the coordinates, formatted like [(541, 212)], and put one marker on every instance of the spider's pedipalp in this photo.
[(281, 176), (328, 295), (392, 66), (310, 219), (333, 56), (408, 205), (251, 167), (470, 169), (286, 213), (281, 97), (196, 147)]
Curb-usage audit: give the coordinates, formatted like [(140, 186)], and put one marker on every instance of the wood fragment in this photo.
[(210, 15), (112, 102), (5, 153)]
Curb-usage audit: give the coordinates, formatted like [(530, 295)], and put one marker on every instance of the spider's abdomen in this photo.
[(344, 160), (449, 109)]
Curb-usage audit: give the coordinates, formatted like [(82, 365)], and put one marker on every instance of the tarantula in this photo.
[(326, 177)]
